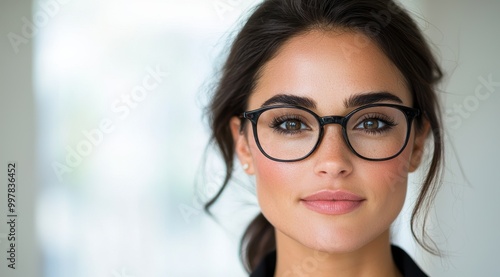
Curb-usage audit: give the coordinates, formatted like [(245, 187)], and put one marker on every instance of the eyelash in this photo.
[(389, 123), (277, 121)]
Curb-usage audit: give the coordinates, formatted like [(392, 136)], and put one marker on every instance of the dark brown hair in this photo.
[(274, 22)]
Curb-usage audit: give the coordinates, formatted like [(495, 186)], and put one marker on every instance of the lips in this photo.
[(333, 202)]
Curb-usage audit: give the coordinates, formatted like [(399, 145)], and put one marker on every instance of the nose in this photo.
[(333, 157)]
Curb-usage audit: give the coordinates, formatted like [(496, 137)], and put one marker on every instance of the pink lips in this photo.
[(332, 202)]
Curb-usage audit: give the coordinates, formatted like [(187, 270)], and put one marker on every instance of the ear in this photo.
[(419, 146), (241, 146)]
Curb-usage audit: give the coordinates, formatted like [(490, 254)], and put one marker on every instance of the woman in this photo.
[(329, 104)]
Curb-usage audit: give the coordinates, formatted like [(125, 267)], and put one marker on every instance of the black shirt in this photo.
[(405, 264)]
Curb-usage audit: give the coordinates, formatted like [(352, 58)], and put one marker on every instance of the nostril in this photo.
[(343, 172), (339, 168), (340, 172)]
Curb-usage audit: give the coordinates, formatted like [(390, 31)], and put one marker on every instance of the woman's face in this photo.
[(330, 69)]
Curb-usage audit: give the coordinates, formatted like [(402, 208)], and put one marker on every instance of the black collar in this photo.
[(403, 261)]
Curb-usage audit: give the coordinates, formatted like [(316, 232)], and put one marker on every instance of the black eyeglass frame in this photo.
[(253, 116)]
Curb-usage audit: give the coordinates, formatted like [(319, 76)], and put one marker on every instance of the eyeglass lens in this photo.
[(291, 133)]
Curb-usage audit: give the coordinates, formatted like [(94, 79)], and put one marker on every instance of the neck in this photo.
[(374, 259)]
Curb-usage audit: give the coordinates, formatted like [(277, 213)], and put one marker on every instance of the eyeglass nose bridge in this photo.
[(332, 120)]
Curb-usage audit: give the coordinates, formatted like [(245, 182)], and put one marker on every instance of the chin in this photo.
[(335, 237), (338, 243)]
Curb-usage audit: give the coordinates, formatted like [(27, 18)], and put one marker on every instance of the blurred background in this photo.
[(101, 108)]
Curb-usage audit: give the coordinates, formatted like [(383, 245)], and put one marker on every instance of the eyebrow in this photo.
[(362, 99), (289, 99), (356, 100)]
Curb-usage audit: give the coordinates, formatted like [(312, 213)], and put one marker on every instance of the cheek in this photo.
[(276, 183), (271, 180), (386, 182), (391, 175)]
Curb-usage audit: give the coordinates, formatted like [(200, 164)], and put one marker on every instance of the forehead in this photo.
[(329, 67)]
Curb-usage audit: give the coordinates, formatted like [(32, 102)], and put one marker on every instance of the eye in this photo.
[(371, 124), (289, 124), (292, 125), (375, 124)]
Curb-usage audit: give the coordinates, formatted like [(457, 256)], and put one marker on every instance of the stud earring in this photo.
[(245, 166)]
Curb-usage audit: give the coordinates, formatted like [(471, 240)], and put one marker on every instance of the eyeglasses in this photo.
[(374, 132)]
